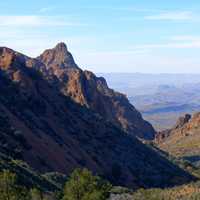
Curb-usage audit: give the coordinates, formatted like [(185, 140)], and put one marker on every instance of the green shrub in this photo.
[(82, 185), (9, 190)]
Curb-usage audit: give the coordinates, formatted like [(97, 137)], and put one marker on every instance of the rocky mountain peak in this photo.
[(61, 47), (11, 59), (58, 67), (86, 89), (183, 141), (58, 58), (6, 57), (181, 129), (182, 121)]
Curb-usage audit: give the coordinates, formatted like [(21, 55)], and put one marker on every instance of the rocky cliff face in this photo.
[(50, 131), (183, 140), (93, 92), (164, 135)]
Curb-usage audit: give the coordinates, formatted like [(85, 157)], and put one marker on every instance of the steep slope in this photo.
[(183, 140), (87, 89), (53, 133), (29, 177)]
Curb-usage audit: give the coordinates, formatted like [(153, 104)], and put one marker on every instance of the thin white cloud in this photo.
[(173, 16), (36, 20)]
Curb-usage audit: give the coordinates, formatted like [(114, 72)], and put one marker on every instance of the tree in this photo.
[(9, 190), (82, 185), (36, 194)]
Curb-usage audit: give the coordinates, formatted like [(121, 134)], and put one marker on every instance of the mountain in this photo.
[(183, 140), (42, 124), (93, 92)]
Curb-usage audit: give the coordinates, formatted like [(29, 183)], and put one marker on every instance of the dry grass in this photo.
[(186, 192)]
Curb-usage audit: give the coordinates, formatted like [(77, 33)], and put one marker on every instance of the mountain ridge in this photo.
[(51, 132), (88, 90)]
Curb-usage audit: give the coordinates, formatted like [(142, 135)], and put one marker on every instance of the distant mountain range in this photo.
[(161, 98), (57, 117)]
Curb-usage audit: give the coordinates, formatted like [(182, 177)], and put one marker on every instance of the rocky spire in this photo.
[(182, 121), (61, 47), (58, 58)]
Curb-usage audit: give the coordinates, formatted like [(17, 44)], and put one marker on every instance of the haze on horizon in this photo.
[(108, 36)]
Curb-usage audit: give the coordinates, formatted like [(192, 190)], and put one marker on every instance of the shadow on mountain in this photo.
[(51, 132)]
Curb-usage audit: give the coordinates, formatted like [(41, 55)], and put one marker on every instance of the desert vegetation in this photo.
[(81, 185)]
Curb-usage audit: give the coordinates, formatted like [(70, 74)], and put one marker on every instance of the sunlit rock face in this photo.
[(87, 89)]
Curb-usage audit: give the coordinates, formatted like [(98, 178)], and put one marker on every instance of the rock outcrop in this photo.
[(162, 135), (183, 140)]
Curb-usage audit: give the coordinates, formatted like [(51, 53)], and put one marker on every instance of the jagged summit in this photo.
[(182, 121), (183, 141), (58, 57), (8, 57), (61, 47), (93, 92)]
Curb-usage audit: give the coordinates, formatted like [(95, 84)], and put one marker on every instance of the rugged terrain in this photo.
[(93, 92), (46, 123), (183, 140)]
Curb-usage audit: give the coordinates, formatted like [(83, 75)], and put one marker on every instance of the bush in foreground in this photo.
[(82, 185), (9, 190)]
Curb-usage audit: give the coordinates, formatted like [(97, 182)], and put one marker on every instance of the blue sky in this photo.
[(149, 36)]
